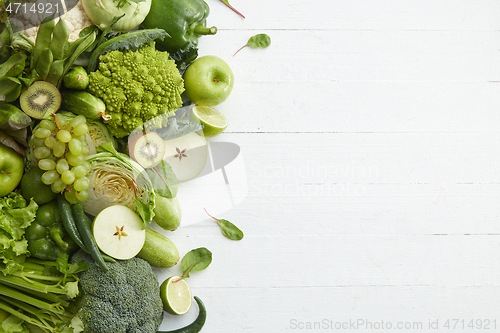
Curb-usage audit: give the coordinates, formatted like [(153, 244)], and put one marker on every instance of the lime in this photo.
[(175, 295), (33, 187), (212, 120)]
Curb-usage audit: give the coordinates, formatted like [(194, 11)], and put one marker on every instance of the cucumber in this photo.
[(197, 324), (85, 104), (77, 78), (158, 250)]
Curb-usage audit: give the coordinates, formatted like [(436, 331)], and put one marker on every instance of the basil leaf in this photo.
[(195, 260)]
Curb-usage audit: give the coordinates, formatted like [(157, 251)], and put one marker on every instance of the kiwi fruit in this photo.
[(40, 100), (147, 149)]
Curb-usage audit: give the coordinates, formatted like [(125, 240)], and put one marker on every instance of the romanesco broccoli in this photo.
[(136, 86), (126, 298)]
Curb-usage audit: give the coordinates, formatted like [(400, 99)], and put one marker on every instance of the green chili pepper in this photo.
[(46, 235), (183, 20)]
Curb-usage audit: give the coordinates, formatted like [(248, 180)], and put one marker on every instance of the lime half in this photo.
[(175, 295), (212, 120)]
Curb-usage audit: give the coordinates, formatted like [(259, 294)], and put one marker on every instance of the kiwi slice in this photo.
[(147, 149), (40, 100)]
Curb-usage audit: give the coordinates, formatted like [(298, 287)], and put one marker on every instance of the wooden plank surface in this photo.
[(369, 132)]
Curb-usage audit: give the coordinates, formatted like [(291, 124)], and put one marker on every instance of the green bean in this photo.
[(60, 37), (43, 38), (44, 63)]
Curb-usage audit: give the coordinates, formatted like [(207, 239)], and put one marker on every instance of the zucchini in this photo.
[(158, 250), (85, 104), (197, 324)]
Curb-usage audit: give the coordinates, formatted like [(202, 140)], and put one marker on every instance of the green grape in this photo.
[(81, 184), (79, 171), (82, 195), (41, 152), (49, 177), (42, 133), (74, 160), (59, 149), (50, 142), (71, 197), (80, 129), (87, 166), (68, 177), (38, 142), (85, 148), (58, 186), (47, 124), (64, 136), (77, 120), (61, 121), (75, 147), (46, 164), (62, 165)]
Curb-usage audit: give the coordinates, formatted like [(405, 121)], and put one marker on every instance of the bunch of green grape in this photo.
[(60, 149)]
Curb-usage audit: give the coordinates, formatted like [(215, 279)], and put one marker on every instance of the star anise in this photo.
[(180, 153)]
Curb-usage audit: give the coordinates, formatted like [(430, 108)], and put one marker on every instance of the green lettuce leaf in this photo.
[(15, 217)]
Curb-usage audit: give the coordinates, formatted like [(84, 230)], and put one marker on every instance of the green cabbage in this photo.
[(115, 179)]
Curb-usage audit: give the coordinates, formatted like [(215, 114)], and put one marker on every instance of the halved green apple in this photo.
[(118, 232), (187, 155)]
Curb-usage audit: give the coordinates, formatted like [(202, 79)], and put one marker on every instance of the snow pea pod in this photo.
[(56, 72), (44, 63), (60, 37), (43, 39)]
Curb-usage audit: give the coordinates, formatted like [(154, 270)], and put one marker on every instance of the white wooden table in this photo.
[(370, 135)]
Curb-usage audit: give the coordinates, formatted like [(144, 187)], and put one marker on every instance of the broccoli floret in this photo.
[(138, 84), (124, 299)]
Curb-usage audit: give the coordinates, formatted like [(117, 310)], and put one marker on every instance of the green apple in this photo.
[(167, 212), (11, 169), (208, 81)]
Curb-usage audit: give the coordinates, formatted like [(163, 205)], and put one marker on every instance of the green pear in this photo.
[(167, 212)]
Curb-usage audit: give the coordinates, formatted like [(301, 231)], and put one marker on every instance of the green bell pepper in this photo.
[(183, 20), (46, 235)]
